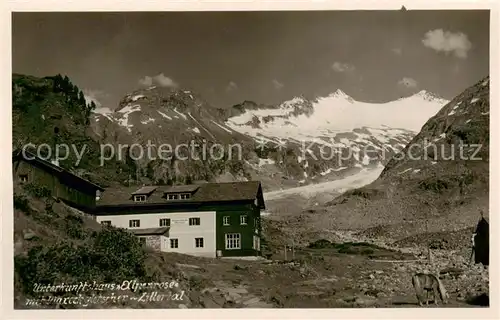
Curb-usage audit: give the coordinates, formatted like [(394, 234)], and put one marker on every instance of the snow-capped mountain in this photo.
[(299, 141), (442, 176), (299, 119)]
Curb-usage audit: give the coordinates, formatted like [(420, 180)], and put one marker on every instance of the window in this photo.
[(23, 178), (233, 241), (243, 219), (185, 196), (165, 222), (106, 222), (225, 220), (142, 240), (198, 242), (173, 197), (174, 243), (194, 221), (140, 198), (134, 223)]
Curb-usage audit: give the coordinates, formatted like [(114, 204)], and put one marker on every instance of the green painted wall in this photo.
[(247, 231)]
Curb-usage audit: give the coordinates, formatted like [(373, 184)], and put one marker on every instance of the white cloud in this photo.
[(164, 81), (93, 95), (159, 80), (408, 82), (397, 51), (231, 86), (147, 81), (342, 67), (445, 41), (277, 85)]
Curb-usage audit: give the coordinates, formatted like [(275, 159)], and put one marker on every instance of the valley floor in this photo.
[(348, 275), (345, 276)]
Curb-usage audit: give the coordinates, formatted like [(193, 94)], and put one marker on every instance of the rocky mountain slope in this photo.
[(439, 182), (295, 143), (52, 111), (183, 138)]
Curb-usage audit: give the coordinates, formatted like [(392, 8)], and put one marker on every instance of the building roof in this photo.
[(203, 193), (182, 188), (149, 231), (144, 190), (57, 170)]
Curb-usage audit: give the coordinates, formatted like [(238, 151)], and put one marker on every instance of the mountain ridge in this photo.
[(176, 116)]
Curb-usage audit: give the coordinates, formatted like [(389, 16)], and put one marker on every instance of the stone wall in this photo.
[(154, 242)]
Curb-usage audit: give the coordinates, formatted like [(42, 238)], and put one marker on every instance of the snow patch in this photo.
[(469, 120), (474, 100), (196, 130), (263, 162), (149, 120), (366, 160), (416, 170), (137, 97), (180, 113), (164, 115), (198, 123), (223, 128), (126, 111), (329, 170), (405, 171)]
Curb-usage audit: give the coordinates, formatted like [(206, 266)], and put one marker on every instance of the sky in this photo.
[(266, 57)]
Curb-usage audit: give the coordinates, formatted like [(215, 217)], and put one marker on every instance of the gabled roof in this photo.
[(48, 166), (182, 188), (204, 193), (144, 190)]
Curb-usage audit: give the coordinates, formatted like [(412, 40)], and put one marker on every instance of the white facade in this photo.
[(182, 237)]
